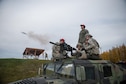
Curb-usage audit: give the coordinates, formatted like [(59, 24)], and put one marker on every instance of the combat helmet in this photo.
[(79, 44), (88, 35), (82, 25)]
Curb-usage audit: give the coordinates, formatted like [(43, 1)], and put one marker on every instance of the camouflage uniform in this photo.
[(80, 54), (82, 35), (91, 47), (56, 51)]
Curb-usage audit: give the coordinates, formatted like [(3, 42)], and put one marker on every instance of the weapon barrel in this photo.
[(68, 47), (54, 43)]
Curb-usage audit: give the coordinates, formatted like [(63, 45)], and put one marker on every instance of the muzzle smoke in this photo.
[(43, 39)]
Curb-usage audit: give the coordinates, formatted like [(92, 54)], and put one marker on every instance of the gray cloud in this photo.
[(56, 19)]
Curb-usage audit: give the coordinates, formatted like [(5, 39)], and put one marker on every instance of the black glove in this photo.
[(83, 49)]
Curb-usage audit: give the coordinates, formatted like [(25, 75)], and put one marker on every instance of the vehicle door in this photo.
[(106, 73), (86, 74)]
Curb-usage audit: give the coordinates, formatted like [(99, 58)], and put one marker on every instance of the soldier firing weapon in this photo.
[(64, 47)]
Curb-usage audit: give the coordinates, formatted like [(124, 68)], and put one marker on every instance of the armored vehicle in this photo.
[(74, 71)]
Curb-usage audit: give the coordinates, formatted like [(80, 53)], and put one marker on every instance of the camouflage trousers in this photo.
[(80, 55), (93, 56), (83, 55)]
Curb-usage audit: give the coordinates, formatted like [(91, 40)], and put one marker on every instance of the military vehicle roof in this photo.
[(92, 61), (86, 61)]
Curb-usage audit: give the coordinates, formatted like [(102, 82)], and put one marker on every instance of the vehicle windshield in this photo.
[(66, 70), (62, 70), (51, 68)]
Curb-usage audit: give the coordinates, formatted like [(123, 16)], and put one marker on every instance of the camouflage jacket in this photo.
[(82, 35), (91, 47), (56, 51)]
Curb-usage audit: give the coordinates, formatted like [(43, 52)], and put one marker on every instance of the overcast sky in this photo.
[(55, 19)]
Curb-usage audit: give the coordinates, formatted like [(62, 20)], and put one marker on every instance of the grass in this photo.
[(16, 69)]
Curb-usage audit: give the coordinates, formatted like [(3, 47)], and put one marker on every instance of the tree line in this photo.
[(116, 54)]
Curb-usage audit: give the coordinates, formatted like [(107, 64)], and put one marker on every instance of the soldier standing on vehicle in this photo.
[(82, 34), (91, 47)]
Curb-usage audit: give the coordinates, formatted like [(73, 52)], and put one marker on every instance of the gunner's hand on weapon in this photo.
[(83, 49), (74, 49)]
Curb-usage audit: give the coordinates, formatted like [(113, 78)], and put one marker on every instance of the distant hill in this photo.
[(16, 69)]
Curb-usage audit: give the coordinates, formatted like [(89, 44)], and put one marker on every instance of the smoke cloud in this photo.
[(42, 39)]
